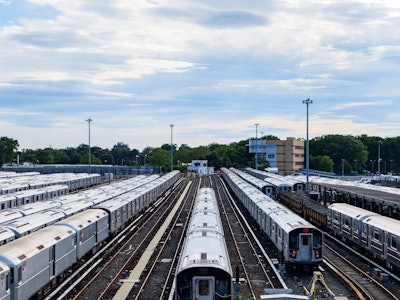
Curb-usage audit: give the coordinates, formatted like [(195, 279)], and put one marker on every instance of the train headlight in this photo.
[(317, 253), (293, 253)]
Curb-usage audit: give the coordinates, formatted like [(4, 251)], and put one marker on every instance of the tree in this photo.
[(160, 157), (339, 147), (7, 148), (326, 164)]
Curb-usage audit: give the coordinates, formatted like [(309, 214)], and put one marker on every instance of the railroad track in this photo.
[(356, 273), (101, 273), (160, 271), (246, 252)]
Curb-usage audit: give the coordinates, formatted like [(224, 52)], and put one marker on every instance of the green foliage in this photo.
[(338, 147), (7, 148), (326, 153)]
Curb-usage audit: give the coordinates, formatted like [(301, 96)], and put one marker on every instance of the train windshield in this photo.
[(317, 240)]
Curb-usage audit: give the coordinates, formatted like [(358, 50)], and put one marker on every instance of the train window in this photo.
[(19, 274), (294, 241), (394, 242), (317, 240), (204, 288), (304, 240), (7, 282), (376, 235), (280, 233)]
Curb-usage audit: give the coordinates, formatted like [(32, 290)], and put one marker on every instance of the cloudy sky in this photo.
[(211, 68)]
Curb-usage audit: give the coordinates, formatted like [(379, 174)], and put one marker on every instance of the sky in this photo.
[(211, 68)]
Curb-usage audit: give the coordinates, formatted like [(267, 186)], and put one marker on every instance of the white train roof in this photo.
[(83, 219), (385, 223), (352, 211), (28, 246)]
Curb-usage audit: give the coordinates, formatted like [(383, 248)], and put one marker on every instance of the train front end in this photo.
[(305, 246)]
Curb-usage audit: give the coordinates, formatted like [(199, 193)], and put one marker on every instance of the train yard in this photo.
[(144, 257)]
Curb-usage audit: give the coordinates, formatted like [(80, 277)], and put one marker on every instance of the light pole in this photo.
[(356, 160), (144, 159), (379, 158), (342, 168), (307, 102), (372, 164), (136, 159), (89, 154), (256, 146), (384, 167), (172, 156)]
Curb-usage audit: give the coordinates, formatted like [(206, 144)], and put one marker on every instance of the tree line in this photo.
[(332, 153)]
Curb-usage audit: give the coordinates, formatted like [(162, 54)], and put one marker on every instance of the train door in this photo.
[(305, 247), (204, 287)]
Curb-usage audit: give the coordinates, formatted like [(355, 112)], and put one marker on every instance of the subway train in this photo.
[(204, 271), (37, 262), (23, 220), (377, 234), (75, 181), (19, 198), (296, 185), (270, 186), (298, 242)]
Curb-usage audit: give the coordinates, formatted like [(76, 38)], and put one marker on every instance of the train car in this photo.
[(346, 221), (298, 241), (296, 184), (6, 235), (36, 259), (91, 228), (381, 236), (366, 230), (204, 271), (278, 186), (11, 187), (5, 276), (26, 225), (266, 187), (7, 201)]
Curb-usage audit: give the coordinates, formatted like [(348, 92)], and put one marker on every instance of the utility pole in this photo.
[(172, 157), (256, 147), (89, 154), (307, 102)]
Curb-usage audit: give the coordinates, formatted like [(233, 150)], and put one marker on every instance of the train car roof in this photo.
[(6, 234), (28, 246), (259, 183), (288, 220), (385, 223), (352, 211), (208, 250), (4, 269), (82, 219), (32, 222), (9, 214)]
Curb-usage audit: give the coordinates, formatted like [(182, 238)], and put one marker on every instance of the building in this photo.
[(285, 155), (200, 167)]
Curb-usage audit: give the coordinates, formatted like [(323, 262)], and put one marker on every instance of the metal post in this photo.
[(172, 156), (307, 102), (90, 154), (356, 160), (379, 158), (342, 168), (256, 147)]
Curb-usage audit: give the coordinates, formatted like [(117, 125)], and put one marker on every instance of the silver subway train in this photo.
[(204, 270), (297, 241)]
